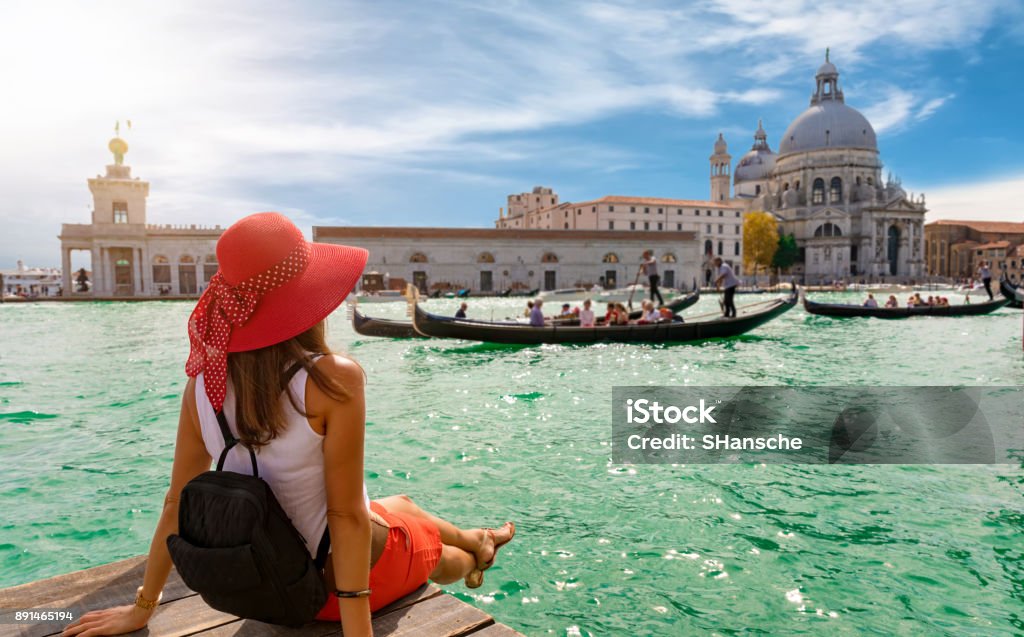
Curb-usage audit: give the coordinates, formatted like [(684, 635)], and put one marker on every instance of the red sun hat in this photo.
[(272, 285)]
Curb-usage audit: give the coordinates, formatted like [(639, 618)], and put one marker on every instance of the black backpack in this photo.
[(237, 548)]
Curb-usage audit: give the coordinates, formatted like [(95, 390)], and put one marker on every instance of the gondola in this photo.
[(385, 328), (1012, 292), (844, 311), (670, 332)]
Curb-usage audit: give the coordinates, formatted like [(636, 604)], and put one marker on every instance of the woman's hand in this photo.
[(110, 621)]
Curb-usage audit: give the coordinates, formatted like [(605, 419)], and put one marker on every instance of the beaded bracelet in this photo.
[(349, 594)]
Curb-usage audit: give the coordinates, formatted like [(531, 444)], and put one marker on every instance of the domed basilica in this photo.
[(825, 187)]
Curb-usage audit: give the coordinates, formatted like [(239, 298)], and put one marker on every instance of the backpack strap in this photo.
[(323, 550), (229, 438)]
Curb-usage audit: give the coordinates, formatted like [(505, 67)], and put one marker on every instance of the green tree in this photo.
[(786, 253), (760, 241)]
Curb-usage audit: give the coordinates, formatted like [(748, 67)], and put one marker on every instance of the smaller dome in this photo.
[(756, 165)]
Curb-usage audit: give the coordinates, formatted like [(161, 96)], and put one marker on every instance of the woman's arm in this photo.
[(190, 459), (347, 516)]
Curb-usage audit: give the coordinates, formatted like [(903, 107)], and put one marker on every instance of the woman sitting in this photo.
[(259, 360)]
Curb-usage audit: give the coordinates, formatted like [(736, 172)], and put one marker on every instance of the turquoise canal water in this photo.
[(89, 396)]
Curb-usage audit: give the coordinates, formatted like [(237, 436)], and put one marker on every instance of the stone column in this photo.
[(99, 281), (65, 271), (175, 284)]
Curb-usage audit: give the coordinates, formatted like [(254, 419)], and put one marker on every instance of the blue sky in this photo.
[(430, 113)]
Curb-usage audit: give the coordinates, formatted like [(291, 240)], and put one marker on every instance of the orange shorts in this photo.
[(410, 555)]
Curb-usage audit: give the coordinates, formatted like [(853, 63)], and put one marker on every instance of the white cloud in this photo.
[(236, 103), (928, 108), (899, 108), (994, 199)]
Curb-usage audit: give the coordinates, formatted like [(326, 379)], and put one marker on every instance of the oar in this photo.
[(633, 289)]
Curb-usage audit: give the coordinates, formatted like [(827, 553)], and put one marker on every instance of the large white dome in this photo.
[(828, 122)]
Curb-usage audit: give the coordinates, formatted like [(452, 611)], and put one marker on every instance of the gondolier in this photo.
[(986, 278), (727, 280), (650, 268)]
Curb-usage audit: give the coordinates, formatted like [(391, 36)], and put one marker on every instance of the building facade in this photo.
[(494, 260), (130, 257), (955, 249), (825, 188)]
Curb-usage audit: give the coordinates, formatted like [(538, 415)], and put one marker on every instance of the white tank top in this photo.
[(292, 464)]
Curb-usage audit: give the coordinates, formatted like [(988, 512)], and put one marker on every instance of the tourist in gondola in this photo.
[(586, 315), (871, 302), (529, 308), (462, 311), (650, 268), (566, 312), (728, 281), (892, 302), (537, 314), (621, 314), (986, 278)]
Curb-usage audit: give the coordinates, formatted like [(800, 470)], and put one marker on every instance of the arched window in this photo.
[(828, 229), (708, 247), (485, 257), (668, 257), (549, 257), (719, 248), (818, 191), (418, 257), (611, 257), (186, 258), (835, 190), (785, 186)]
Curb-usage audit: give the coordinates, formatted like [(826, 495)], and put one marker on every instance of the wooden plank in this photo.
[(91, 589), (252, 628), (441, 616), (496, 630)]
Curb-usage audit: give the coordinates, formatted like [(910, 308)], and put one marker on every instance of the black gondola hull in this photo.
[(858, 311), (384, 328), (1011, 292), (518, 334)]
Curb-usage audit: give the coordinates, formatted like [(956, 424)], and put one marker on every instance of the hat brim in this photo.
[(291, 309)]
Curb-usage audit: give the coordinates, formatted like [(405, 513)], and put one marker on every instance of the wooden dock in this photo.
[(426, 613)]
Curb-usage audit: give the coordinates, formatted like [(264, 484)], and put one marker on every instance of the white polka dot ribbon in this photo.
[(224, 306)]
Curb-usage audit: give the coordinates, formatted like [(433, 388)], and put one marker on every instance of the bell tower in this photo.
[(117, 197), (721, 168)]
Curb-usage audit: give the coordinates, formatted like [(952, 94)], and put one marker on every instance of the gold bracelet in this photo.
[(146, 604)]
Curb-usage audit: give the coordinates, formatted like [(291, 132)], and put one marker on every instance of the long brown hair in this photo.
[(258, 378)]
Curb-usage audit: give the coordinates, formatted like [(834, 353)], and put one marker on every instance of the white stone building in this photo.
[(129, 256), (825, 186), (494, 260)]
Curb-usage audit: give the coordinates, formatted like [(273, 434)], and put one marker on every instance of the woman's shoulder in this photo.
[(341, 368)]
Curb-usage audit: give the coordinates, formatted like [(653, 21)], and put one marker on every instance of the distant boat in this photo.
[(383, 296), (565, 294), (638, 293), (667, 332), (849, 311)]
